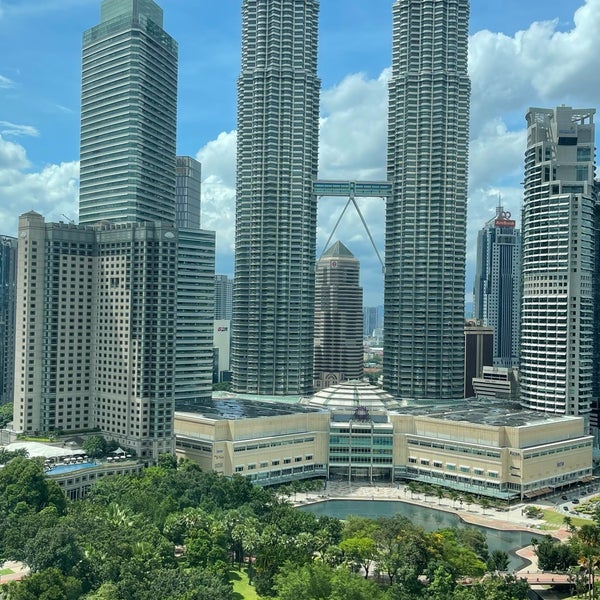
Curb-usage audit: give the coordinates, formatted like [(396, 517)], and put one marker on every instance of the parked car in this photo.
[(575, 501), (564, 497)]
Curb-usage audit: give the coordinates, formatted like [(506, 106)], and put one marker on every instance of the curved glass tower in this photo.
[(428, 138), (277, 153)]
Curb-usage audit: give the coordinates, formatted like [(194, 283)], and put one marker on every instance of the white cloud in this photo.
[(7, 128), (5, 82), (52, 191), (539, 66)]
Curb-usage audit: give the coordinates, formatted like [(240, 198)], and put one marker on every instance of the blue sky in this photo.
[(522, 53)]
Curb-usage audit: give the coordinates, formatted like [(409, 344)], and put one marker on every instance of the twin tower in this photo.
[(276, 210)]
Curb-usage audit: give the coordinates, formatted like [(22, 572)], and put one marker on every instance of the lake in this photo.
[(429, 519)]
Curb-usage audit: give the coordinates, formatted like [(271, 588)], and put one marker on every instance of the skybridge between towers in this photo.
[(353, 190)]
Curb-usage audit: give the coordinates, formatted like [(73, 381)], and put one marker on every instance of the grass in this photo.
[(555, 519), (6, 571), (242, 590)]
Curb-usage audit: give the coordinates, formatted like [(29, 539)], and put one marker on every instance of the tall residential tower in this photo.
[(277, 153), (558, 261), (497, 290), (428, 138)]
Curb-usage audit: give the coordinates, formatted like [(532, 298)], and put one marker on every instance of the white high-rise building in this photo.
[(497, 290), (558, 261), (277, 154), (428, 140)]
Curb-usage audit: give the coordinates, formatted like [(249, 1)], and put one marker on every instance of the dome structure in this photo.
[(352, 394)]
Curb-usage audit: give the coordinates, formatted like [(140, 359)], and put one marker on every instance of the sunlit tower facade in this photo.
[(559, 267), (277, 154), (128, 116), (428, 137)]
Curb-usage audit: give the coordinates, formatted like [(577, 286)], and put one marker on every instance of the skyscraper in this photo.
[(128, 116), (277, 153), (338, 317), (558, 263), (99, 302), (428, 137), (195, 290), (188, 192), (223, 297), (96, 322), (8, 286), (497, 290)]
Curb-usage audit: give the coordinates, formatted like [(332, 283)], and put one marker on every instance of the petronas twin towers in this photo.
[(277, 163)]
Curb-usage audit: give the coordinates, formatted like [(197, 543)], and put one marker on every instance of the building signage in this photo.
[(504, 220)]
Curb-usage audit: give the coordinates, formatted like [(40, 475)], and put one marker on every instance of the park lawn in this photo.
[(555, 519), (242, 590), (6, 571)]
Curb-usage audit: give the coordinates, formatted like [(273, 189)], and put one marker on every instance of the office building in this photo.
[(277, 154), (188, 192), (195, 309), (558, 261), (223, 297), (497, 290), (371, 320), (95, 331), (479, 350), (499, 383), (338, 318), (99, 303), (128, 116), (195, 289), (428, 138), (8, 286), (222, 350)]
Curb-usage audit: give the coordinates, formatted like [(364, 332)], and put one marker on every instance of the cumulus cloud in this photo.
[(7, 128), (52, 192), (538, 66)]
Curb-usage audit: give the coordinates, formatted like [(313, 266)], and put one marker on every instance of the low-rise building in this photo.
[(489, 448)]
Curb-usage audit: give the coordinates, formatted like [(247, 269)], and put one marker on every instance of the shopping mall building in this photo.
[(355, 431)]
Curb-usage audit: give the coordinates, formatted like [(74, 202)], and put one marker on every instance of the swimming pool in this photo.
[(60, 469)]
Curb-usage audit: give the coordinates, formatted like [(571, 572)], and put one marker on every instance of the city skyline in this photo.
[(505, 83)]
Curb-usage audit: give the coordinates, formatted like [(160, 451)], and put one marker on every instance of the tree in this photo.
[(50, 584), (167, 461), (553, 555), (359, 552), (22, 481), (53, 548), (95, 446), (6, 414), (498, 561)]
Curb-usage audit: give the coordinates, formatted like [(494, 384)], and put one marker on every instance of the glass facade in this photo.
[(128, 116), (428, 137), (277, 153)]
